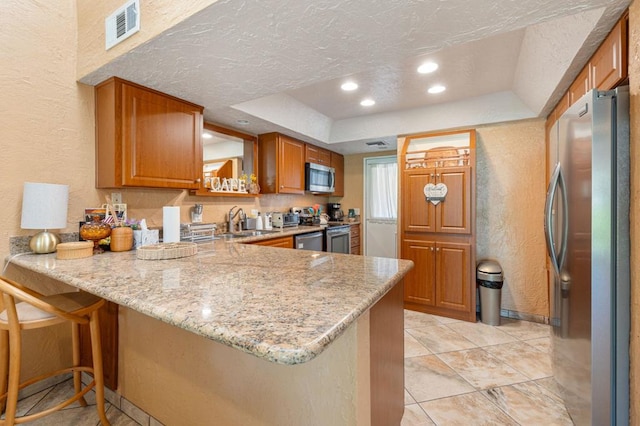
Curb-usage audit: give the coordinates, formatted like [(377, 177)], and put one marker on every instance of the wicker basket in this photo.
[(74, 250), (164, 251)]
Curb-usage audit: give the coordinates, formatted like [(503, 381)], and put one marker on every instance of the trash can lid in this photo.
[(489, 270)]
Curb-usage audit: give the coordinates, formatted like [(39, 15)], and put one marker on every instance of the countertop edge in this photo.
[(273, 353)]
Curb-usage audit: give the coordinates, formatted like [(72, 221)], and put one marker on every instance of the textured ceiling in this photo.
[(279, 64)]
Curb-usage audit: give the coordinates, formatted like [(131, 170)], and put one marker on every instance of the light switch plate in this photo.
[(116, 198)]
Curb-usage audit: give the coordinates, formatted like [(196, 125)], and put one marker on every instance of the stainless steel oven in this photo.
[(338, 239)]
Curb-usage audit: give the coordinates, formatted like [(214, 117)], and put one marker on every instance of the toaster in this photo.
[(282, 220)]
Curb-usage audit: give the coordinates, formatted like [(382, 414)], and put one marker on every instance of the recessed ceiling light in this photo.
[(367, 102), (206, 135), (438, 88), (242, 122), (427, 67), (349, 86)]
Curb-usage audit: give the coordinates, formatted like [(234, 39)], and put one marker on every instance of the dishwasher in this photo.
[(310, 241)]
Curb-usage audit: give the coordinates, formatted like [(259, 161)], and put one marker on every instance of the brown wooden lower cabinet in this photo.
[(282, 242), (355, 239), (441, 281), (109, 340)]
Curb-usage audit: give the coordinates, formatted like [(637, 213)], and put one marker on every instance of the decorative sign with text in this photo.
[(435, 192)]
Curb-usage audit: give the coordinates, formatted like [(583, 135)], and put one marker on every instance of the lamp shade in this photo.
[(44, 206)]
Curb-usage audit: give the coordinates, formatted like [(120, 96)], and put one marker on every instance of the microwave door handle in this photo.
[(332, 178)]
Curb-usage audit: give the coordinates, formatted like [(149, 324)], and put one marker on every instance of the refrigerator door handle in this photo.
[(565, 222), (548, 218)]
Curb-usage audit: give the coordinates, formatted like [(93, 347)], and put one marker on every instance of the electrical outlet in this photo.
[(116, 198)]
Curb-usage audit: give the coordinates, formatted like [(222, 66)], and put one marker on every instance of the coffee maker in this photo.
[(334, 212)]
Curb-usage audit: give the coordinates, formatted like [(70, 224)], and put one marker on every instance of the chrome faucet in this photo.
[(232, 215)]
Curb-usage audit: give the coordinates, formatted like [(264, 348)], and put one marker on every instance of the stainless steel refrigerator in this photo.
[(587, 232)]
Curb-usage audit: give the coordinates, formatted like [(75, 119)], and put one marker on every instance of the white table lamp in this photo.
[(44, 206)]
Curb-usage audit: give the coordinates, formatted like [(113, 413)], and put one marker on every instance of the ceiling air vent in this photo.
[(376, 143), (122, 23)]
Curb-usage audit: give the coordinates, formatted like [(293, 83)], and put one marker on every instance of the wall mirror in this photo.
[(227, 153)]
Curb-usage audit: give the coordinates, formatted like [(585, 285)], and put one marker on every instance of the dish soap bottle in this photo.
[(259, 222), (267, 221)]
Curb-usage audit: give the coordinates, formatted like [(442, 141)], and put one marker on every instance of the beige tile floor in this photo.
[(455, 373), (72, 415), (460, 373)]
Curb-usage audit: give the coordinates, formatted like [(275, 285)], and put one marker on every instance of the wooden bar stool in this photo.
[(26, 309)]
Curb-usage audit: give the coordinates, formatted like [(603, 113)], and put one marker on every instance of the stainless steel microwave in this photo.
[(319, 178)]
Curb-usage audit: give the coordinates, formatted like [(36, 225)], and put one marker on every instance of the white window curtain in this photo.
[(384, 185)]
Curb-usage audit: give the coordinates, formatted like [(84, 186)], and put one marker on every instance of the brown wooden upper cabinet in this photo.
[(281, 164), (314, 154), (145, 138), (450, 216), (337, 162), (607, 68)]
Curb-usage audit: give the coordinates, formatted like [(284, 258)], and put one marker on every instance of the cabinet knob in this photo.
[(198, 180), (431, 248), (437, 248), (438, 175)]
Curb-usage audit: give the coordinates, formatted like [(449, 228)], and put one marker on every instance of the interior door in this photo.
[(381, 211)]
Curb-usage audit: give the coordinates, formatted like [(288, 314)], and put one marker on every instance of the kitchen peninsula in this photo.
[(244, 334)]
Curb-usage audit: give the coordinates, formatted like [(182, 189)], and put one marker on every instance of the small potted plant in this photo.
[(253, 186)]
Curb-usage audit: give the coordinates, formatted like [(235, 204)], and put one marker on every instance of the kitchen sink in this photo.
[(245, 234)]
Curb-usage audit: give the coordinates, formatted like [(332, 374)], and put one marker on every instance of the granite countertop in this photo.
[(282, 305)]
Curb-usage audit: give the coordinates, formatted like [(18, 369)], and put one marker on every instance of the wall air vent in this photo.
[(122, 23), (376, 143)]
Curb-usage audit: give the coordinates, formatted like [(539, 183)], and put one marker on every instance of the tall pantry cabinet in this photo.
[(438, 223)]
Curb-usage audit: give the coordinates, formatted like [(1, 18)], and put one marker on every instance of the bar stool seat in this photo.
[(26, 309)]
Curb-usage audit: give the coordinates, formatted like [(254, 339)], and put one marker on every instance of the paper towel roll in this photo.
[(171, 224)]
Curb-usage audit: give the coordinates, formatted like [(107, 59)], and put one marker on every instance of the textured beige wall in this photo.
[(634, 82), (156, 17), (203, 382), (510, 195), (46, 125)]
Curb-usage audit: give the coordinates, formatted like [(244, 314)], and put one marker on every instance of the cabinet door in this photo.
[(355, 239), (580, 86), (418, 215), (452, 276), (337, 162), (290, 166), (419, 283), (314, 154), (282, 242), (454, 213), (609, 63), (160, 140)]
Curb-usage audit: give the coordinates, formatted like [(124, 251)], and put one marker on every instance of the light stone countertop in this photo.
[(282, 305)]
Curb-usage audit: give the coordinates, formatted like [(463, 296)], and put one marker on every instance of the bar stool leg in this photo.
[(4, 366), (96, 351), (77, 375), (15, 345)]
